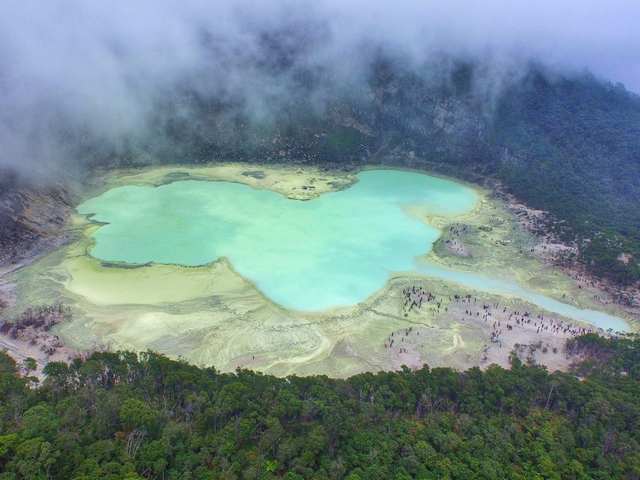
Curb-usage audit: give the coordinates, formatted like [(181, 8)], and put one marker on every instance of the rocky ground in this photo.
[(32, 222), (30, 337), (32, 219)]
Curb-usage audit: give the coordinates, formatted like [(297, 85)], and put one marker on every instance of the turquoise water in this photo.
[(308, 255)]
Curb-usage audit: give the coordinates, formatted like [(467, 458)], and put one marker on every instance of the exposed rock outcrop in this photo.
[(32, 217)]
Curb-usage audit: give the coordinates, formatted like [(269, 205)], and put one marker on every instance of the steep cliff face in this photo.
[(31, 218)]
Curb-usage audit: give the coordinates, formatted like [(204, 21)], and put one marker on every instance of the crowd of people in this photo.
[(510, 319), (414, 297), (402, 335), (501, 318)]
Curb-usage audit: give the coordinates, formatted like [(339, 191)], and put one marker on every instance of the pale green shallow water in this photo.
[(308, 255)]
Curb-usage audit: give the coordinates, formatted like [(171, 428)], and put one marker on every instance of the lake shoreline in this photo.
[(336, 345)]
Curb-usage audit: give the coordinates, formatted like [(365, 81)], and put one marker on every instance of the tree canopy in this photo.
[(127, 416)]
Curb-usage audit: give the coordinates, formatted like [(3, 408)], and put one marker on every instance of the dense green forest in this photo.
[(127, 416)]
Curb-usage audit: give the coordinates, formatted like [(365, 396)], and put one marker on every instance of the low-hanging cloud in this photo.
[(75, 68)]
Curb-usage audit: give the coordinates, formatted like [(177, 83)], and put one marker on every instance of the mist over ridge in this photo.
[(78, 78)]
